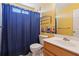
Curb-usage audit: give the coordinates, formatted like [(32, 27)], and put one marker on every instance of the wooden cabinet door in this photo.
[(57, 50), (47, 53)]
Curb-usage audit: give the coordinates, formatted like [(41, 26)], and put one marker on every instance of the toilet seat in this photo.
[(36, 45)]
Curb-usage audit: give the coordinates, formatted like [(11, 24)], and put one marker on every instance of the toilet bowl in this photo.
[(36, 49)]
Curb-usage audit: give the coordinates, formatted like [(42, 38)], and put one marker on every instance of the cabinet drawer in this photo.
[(47, 53), (57, 50)]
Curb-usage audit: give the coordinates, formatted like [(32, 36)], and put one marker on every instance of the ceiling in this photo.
[(47, 6), (40, 6), (58, 5), (31, 4)]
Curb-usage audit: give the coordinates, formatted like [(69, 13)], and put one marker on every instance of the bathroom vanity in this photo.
[(56, 46)]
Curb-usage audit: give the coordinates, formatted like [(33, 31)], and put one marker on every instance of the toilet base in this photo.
[(37, 53)]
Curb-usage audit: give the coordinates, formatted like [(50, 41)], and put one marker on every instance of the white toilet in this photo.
[(36, 49)]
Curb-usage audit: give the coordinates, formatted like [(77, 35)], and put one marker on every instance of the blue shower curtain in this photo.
[(20, 29), (4, 43), (26, 29), (35, 27)]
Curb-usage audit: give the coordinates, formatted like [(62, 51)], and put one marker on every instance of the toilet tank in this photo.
[(41, 37)]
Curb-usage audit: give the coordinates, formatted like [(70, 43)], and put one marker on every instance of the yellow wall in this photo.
[(65, 25), (66, 19)]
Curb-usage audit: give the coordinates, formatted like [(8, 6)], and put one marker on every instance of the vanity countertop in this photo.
[(72, 45)]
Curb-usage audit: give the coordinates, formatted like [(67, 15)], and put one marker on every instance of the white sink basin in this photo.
[(71, 43)]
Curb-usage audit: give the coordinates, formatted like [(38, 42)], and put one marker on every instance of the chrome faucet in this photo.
[(66, 39)]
